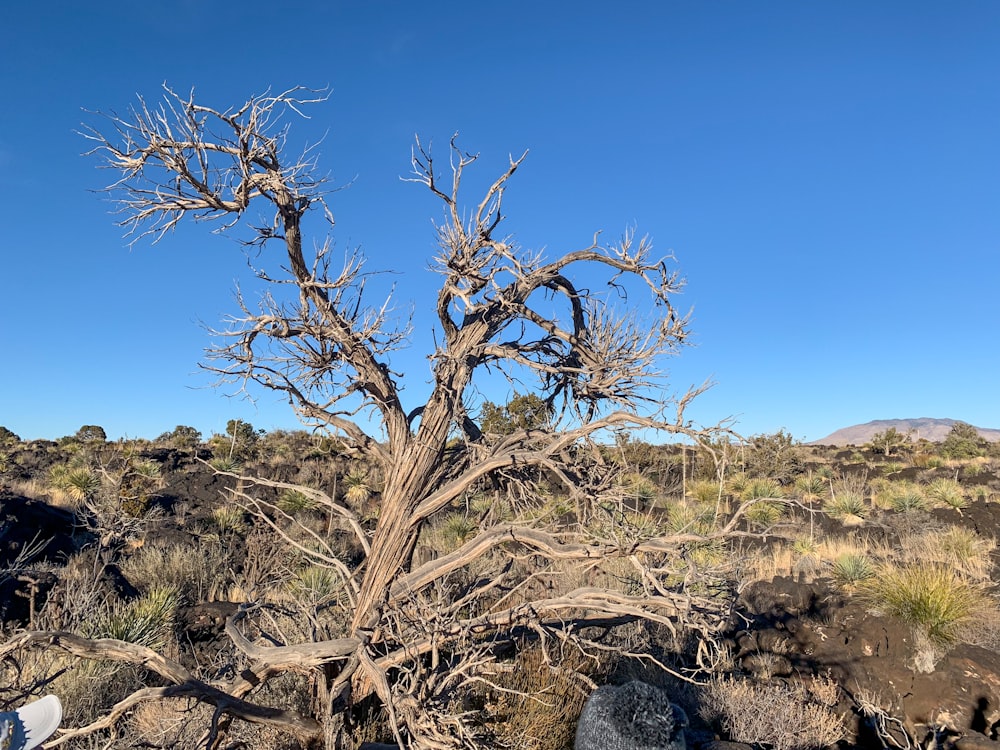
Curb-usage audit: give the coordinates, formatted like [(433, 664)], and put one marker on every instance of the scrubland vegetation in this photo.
[(166, 535)]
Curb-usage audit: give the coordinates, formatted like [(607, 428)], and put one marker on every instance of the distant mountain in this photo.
[(927, 428)]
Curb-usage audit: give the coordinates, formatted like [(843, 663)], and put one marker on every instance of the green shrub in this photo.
[(226, 464), (293, 501), (964, 441), (852, 568), (906, 496), (690, 519), (80, 484), (761, 487), (703, 491), (947, 492), (147, 621), (316, 585), (639, 487), (931, 597), (811, 487), (457, 529), (775, 456), (765, 512), (846, 505), (228, 518)]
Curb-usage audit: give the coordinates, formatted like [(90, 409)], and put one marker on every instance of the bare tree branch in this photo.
[(595, 357)]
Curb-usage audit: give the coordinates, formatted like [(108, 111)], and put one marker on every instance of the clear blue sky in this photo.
[(826, 173)]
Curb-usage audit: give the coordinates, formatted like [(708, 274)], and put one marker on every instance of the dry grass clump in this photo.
[(784, 717), (932, 598), (947, 492), (815, 556), (199, 572), (535, 701), (847, 498), (958, 547)]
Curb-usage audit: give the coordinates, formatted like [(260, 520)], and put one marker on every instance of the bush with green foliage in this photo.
[(239, 444), (853, 568), (888, 441), (947, 492), (91, 433), (522, 412), (775, 456), (906, 496), (181, 436), (931, 597), (964, 441)]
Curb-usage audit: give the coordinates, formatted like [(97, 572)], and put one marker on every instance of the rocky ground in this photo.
[(893, 687)]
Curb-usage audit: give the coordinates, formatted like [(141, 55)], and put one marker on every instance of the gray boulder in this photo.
[(634, 716)]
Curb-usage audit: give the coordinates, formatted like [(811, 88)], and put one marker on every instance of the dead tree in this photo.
[(318, 339)]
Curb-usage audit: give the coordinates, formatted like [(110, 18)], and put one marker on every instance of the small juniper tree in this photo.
[(889, 441)]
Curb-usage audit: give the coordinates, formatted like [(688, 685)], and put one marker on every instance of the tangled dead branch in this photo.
[(417, 635)]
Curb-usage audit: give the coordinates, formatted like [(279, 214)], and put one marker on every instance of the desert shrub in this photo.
[(963, 441), (765, 512), (456, 529), (240, 443), (535, 702), (811, 486), (226, 464), (182, 437), (932, 598), (761, 487), (947, 492), (147, 621), (784, 717), (79, 483), (889, 441), (683, 518), (623, 528), (292, 502), (847, 506), (775, 456), (975, 468), (358, 487), (8, 438), (853, 568), (197, 571), (906, 496), (638, 487), (892, 467), (760, 490), (91, 433), (703, 490), (736, 484), (315, 586), (962, 548), (134, 481), (229, 518), (495, 508)]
